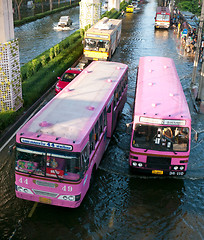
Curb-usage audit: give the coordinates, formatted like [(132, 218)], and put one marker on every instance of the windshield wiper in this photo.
[(57, 176)]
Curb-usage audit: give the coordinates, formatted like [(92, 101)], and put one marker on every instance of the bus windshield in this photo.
[(97, 45), (65, 166), (161, 138), (162, 17)]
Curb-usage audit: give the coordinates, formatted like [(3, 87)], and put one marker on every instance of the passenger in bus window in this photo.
[(181, 135), (167, 132)]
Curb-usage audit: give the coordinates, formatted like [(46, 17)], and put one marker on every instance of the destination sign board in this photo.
[(46, 144), (163, 121), (97, 36)]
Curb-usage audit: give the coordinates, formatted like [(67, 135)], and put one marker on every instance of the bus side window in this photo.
[(92, 142), (123, 83), (105, 117), (101, 123), (120, 90), (109, 109), (85, 159), (115, 98), (126, 79), (96, 132)]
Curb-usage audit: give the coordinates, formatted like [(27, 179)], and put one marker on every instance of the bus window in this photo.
[(109, 109), (96, 132), (85, 159), (101, 123), (161, 138), (105, 117), (162, 17), (94, 44), (115, 98), (32, 162), (90, 44), (92, 142)]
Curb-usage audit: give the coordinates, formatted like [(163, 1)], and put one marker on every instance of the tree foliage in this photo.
[(193, 6)]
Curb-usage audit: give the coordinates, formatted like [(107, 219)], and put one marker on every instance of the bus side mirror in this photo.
[(128, 128), (129, 124), (196, 136), (12, 149)]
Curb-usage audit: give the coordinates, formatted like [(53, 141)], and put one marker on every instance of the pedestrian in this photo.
[(179, 27)]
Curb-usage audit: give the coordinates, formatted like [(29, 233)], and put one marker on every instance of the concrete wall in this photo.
[(6, 21)]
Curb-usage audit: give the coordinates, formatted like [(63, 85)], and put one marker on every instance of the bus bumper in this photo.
[(46, 200), (157, 172)]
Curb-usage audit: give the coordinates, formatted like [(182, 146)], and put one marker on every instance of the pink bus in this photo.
[(161, 130), (59, 149)]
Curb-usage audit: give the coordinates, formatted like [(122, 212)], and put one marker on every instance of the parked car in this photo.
[(66, 78)]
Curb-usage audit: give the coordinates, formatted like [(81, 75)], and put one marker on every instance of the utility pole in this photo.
[(201, 89), (197, 53)]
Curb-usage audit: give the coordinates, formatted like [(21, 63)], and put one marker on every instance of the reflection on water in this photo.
[(120, 205), (161, 34)]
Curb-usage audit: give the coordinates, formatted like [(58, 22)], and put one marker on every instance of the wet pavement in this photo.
[(121, 205)]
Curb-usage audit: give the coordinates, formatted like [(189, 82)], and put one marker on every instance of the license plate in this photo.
[(159, 172), (45, 200)]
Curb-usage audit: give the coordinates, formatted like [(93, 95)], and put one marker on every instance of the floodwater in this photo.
[(38, 36), (121, 205)]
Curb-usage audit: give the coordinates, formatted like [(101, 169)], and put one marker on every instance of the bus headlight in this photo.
[(137, 164), (134, 164), (23, 190), (181, 168), (70, 198)]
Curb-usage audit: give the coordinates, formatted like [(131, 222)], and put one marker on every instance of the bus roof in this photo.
[(159, 92), (163, 10), (105, 25), (70, 115)]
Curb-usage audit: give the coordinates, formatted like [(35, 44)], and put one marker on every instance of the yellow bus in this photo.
[(102, 39)]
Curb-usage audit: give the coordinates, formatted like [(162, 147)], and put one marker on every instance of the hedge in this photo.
[(36, 83)]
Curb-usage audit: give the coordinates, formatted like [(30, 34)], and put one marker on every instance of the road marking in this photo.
[(32, 210)]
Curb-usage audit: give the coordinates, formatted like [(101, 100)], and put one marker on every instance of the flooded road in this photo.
[(121, 205), (38, 36)]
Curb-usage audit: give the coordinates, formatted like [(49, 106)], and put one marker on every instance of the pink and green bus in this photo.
[(161, 130), (59, 149)]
